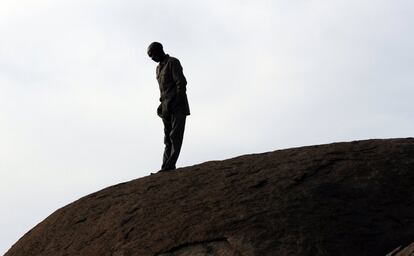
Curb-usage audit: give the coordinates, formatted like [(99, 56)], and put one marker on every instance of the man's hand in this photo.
[(159, 110), (165, 111)]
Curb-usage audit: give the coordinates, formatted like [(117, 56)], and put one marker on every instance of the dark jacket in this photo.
[(172, 83)]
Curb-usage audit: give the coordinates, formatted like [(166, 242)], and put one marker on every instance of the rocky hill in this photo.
[(338, 199)]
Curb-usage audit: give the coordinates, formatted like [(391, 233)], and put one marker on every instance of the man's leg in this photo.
[(176, 138), (167, 141)]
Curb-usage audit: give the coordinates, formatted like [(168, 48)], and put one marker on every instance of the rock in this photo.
[(400, 251), (351, 198)]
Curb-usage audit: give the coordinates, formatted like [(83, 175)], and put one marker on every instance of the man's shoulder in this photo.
[(173, 59)]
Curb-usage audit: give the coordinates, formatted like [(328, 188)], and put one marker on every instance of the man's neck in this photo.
[(164, 58)]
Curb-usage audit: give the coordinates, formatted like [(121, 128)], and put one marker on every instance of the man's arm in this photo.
[(180, 83), (178, 77)]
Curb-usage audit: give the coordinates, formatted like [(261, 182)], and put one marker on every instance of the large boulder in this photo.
[(400, 251), (338, 199)]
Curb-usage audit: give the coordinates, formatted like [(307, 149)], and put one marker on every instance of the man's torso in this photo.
[(172, 84)]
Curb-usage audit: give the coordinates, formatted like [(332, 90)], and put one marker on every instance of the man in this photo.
[(174, 106)]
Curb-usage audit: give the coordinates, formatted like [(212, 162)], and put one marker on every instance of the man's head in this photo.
[(156, 52)]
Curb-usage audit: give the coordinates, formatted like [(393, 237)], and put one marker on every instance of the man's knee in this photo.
[(177, 135), (178, 124), (167, 141)]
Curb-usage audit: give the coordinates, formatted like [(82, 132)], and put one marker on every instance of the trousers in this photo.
[(174, 126)]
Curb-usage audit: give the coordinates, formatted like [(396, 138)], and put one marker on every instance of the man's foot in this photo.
[(166, 170)]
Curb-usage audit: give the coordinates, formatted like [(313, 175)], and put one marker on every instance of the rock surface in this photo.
[(352, 198), (400, 251)]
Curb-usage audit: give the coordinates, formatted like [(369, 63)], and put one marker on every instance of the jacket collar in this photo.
[(165, 59)]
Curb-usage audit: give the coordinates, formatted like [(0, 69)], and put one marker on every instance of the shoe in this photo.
[(164, 170)]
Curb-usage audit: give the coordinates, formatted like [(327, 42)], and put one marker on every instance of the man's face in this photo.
[(155, 54)]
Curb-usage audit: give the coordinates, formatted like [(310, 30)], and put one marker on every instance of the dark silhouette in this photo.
[(174, 106)]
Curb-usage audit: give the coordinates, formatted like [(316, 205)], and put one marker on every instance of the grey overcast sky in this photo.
[(78, 93)]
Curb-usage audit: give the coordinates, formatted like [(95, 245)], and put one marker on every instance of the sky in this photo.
[(78, 93)]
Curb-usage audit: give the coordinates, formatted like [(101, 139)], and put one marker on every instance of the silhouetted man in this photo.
[(174, 106)]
